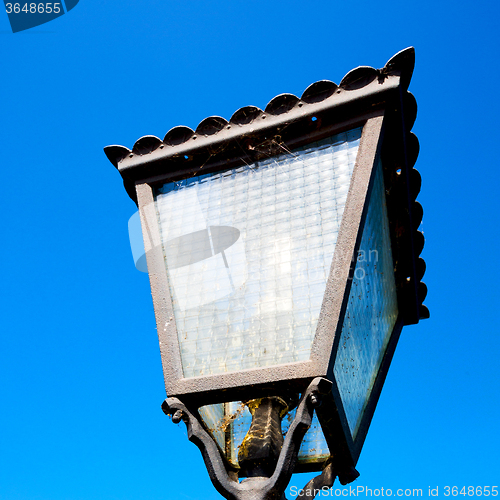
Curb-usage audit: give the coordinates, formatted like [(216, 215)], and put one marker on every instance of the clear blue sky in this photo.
[(80, 375)]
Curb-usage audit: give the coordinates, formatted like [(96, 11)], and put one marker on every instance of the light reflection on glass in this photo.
[(229, 422)]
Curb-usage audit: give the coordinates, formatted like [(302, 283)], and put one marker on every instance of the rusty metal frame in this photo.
[(376, 99), (256, 488)]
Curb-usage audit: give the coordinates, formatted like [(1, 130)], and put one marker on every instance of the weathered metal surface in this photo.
[(252, 488), (323, 482), (317, 484)]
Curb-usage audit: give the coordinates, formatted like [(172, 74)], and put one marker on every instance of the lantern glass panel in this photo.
[(248, 252), (371, 312), (229, 422)]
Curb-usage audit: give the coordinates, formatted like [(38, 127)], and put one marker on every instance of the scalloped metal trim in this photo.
[(281, 104), (116, 153), (421, 268), (246, 115), (412, 148), (359, 77), (178, 135), (401, 65), (211, 125), (319, 91), (418, 214), (418, 242), (410, 109), (424, 312), (422, 291), (415, 182), (146, 145)]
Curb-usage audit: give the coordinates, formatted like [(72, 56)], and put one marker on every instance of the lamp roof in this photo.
[(182, 146)]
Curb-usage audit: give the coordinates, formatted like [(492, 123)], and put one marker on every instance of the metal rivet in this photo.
[(177, 417), (315, 401)]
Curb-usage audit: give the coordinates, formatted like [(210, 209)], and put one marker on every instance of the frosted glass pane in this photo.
[(229, 422), (371, 311), (313, 447), (248, 252), (213, 416)]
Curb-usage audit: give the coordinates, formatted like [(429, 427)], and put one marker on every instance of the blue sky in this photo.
[(80, 374)]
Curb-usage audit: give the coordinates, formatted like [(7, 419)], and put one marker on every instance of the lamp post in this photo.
[(283, 255)]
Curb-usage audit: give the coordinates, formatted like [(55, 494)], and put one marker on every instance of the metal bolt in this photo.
[(177, 417), (315, 401)]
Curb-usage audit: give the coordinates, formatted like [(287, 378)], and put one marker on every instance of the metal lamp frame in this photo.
[(378, 101)]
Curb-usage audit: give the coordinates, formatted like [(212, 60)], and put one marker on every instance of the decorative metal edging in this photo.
[(403, 183), (182, 142)]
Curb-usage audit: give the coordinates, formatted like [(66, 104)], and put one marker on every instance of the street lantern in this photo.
[(283, 255)]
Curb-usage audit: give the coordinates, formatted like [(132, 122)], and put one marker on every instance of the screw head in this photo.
[(177, 417), (315, 401)]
